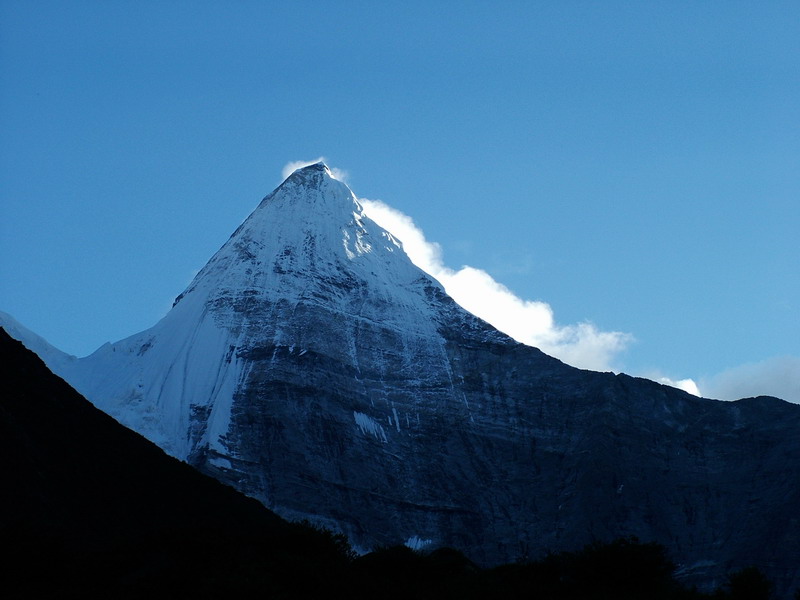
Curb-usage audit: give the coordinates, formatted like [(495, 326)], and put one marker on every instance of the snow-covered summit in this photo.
[(309, 169), (309, 238)]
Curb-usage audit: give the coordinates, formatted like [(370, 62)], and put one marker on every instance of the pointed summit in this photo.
[(315, 167), (311, 174), (311, 177), (310, 235)]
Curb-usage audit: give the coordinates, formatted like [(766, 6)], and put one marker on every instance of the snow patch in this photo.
[(369, 425), (396, 419), (417, 543), (220, 462)]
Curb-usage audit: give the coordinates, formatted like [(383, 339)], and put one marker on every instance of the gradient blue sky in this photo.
[(632, 164)]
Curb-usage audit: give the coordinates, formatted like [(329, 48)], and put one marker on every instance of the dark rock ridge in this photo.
[(312, 366), (91, 509)]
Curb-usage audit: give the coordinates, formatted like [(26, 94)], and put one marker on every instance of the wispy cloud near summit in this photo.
[(778, 376), (528, 321), (582, 345), (533, 322)]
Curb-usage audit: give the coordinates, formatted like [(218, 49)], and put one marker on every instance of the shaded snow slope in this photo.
[(56, 360)]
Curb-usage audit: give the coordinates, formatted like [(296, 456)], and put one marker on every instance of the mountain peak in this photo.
[(313, 184), (319, 166), (310, 174), (312, 366)]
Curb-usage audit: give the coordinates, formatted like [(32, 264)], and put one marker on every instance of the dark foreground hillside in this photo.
[(90, 506), (91, 509)]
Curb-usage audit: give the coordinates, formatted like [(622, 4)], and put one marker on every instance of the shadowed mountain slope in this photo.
[(312, 366), (91, 508)]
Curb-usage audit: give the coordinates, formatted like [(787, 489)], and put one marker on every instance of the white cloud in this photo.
[(687, 385), (293, 165), (528, 321), (532, 322), (777, 376)]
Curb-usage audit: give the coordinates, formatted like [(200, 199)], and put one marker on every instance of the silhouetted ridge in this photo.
[(91, 507)]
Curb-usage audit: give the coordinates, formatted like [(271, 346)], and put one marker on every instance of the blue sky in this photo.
[(631, 165)]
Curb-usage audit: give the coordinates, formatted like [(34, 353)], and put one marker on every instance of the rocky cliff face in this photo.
[(311, 365)]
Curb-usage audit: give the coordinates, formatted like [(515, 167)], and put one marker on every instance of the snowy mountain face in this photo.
[(306, 282), (311, 365)]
